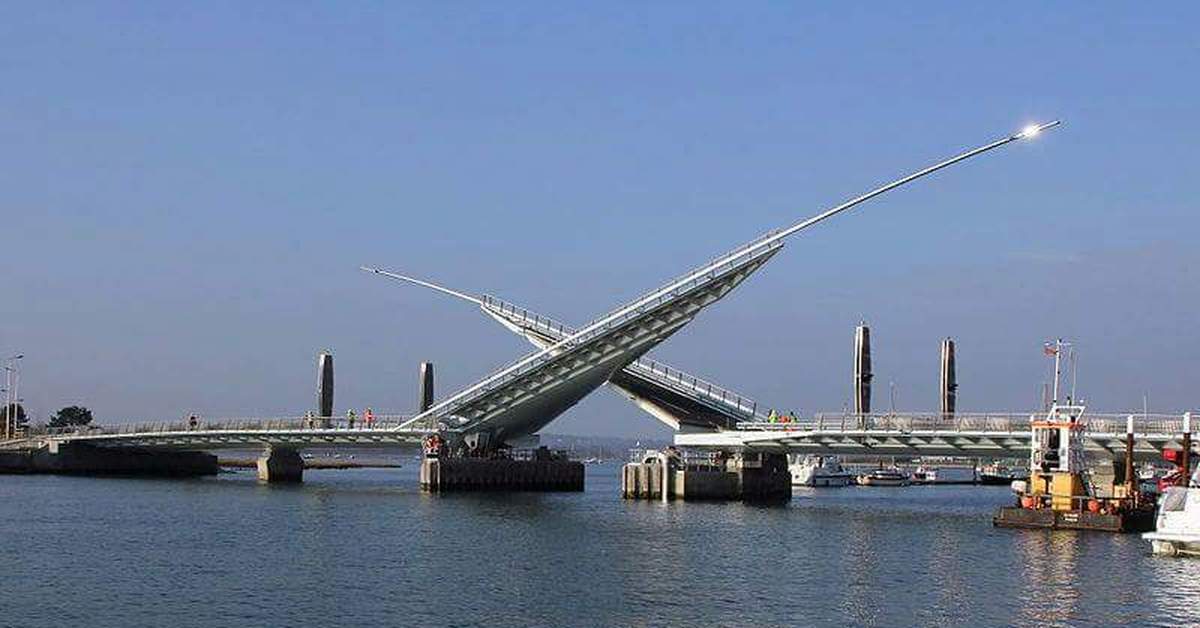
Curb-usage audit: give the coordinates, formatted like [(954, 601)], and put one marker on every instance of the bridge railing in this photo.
[(553, 328), (253, 424), (1108, 423), (675, 378), (654, 370)]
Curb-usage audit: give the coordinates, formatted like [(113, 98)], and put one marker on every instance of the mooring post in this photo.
[(666, 472)]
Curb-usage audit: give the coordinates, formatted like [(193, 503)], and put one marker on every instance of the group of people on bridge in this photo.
[(311, 420), (775, 417)]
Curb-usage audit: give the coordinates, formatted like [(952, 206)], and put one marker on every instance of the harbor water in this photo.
[(366, 547)]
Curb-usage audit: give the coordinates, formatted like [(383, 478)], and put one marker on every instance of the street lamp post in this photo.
[(11, 381), (7, 399)]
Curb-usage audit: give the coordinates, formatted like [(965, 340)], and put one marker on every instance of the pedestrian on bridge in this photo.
[(369, 418), (350, 416)]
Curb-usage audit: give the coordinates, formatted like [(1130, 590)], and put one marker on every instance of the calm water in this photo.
[(365, 547)]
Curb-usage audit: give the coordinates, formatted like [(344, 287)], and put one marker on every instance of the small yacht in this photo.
[(892, 476), (819, 471), (1178, 523)]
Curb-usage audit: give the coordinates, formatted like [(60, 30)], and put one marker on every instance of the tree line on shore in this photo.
[(70, 416)]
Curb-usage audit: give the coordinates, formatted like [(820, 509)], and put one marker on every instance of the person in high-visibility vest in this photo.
[(350, 418)]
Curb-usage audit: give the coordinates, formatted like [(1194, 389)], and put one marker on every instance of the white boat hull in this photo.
[(1172, 547), (1178, 524), (816, 474), (825, 481), (866, 480)]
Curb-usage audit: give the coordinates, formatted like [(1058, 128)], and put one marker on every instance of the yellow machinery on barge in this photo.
[(1058, 494)]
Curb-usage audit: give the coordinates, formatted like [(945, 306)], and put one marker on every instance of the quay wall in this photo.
[(80, 459)]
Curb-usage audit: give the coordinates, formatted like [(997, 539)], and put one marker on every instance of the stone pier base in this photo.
[(278, 465), (82, 459), (475, 474), (750, 477)]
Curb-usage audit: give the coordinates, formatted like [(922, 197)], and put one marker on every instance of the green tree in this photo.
[(15, 410), (71, 416)]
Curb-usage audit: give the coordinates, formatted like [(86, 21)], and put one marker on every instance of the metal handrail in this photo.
[(721, 264), (665, 374)]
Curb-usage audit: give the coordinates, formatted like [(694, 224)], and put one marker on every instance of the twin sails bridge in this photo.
[(569, 362)]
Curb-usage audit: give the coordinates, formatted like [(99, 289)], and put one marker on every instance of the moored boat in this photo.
[(892, 476), (819, 471), (1178, 523), (996, 474), (944, 475)]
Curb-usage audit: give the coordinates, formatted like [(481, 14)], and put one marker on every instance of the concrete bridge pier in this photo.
[(752, 477), (542, 471), (280, 465)]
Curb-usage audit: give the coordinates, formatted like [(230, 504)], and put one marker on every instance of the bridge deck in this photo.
[(982, 435), (297, 432)]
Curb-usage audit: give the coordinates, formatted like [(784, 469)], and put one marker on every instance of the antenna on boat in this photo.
[(1074, 375)]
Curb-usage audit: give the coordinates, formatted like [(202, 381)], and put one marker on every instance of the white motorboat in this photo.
[(1178, 523), (885, 477), (945, 475), (819, 471)]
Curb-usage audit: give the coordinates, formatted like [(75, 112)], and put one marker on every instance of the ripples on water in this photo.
[(365, 547)]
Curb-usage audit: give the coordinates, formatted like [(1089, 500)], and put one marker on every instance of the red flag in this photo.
[(1049, 349)]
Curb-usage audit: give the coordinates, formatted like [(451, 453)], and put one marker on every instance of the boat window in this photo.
[(1175, 500)]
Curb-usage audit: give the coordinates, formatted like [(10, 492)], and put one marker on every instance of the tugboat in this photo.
[(1056, 495), (819, 471)]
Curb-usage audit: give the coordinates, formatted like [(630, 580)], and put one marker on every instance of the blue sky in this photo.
[(187, 191)]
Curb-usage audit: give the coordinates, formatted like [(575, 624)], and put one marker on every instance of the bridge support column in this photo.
[(280, 465)]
